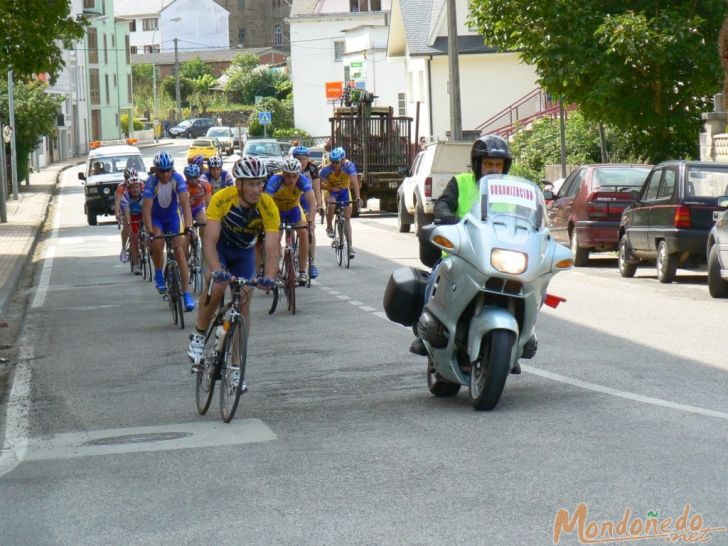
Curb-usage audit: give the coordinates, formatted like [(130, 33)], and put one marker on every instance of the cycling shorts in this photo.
[(293, 216), (339, 196), (239, 262), (196, 211), (168, 224), (136, 222)]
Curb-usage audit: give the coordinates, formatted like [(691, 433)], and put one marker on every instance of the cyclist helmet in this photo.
[(273, 166), (192, 171), (214, 161), (197, 160), (337, 154), (489, 146), (291, 166), (133, 179), (163, 161), (249, 167), (129, 173), (300, 150)]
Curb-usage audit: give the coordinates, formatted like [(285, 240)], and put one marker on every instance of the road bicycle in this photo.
[(145, 255), (289, 268), (225, 353), (173, 280), (195, 260), (340, 244)]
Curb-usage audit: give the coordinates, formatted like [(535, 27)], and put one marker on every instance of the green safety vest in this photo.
[(468, 193)]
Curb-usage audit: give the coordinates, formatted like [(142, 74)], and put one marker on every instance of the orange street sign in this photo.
[(334, 90)]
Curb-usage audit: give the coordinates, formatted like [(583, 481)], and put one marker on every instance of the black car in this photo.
[(191, 128), (670, 221)]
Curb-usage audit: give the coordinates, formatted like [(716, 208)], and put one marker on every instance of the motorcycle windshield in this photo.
[(506, 195)]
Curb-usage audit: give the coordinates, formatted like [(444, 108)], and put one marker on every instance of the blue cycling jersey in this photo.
[(166, 202)]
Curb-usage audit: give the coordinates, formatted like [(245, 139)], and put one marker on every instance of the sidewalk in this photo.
[(25, 219)]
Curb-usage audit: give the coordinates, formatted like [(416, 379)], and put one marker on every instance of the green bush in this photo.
[(138, 125), (281, 116)]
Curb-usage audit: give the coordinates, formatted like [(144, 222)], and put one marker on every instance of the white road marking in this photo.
[(624, 394), (381, 315), (354, 302), (200, 434), (342, 297), (367, 308), (45, 278), (334, 292), (15, 444)]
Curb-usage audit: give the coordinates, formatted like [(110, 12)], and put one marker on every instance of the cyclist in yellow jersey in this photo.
[(337, 177), (235, 217), (286, 189)]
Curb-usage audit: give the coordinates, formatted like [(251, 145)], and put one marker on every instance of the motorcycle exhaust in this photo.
[(433, 331)]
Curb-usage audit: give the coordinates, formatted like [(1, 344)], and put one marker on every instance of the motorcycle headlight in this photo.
[(508, 261)]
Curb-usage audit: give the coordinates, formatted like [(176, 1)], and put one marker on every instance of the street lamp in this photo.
[(154, 76)]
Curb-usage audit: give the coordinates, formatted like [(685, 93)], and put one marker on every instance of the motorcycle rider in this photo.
[(489, 155)]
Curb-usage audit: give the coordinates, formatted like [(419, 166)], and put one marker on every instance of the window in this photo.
[(106, 52), (148, 49), (402, 104), (668, 184), (365, 5), (339, 48), (126, 43), (115, 81), (149, 23), (278, 35), (93, 46), (128, 87), (93, 82), (106, 81), (103, 7), (241, 4), (89, 4), (576, 184), (241, 36), (653, 184), (132, 26), (133, 50)]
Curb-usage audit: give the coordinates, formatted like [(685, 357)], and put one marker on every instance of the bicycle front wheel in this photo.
[(232, 379), (179, 299), (171, 292), (289, 278), (207, 371), (339, 242)]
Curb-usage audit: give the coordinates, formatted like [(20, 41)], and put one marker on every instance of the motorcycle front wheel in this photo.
[(489, 373), (438, 386)]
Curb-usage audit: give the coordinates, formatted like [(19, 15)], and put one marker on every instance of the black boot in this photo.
[(418, 347)]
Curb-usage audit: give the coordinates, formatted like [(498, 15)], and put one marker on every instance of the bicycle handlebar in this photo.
[(240, 281)]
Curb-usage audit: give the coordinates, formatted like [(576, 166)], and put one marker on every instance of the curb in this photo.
[(7, 291)]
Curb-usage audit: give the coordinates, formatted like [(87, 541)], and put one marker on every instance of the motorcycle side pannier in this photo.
[(405, 295)]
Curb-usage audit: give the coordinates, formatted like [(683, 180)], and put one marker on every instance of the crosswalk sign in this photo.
[(264, 118)]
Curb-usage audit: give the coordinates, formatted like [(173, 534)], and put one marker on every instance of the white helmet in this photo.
[(249, 167), (214, 161), (291, 165)]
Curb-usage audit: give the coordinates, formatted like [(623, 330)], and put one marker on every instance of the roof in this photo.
[(105, 151), (207, 55)]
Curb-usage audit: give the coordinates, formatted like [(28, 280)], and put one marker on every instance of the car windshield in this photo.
[(115, 164), (614, 179), (202, 143), (505, 195), (704, 181), (218, 132), (184, 124), (262, 148)]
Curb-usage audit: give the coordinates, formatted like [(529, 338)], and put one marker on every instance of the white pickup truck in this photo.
[(431, 171)]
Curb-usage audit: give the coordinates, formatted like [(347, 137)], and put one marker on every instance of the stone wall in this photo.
[(258, 19), (714, 139)]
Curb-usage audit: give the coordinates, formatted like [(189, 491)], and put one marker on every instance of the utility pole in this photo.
[(13, 150), (3, 179), (456, 121), (178, 110)]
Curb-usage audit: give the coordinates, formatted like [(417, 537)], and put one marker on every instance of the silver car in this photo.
[(224, 136), (718, 253)]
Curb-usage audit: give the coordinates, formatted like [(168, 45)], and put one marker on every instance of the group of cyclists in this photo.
[(239, 214)]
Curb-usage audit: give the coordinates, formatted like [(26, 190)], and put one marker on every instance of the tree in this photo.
[(647, 67), (186, 88), (33, 33), (35, 116), (244, 84), (204, 91), (194, 68), (281, 116), (246, 62)]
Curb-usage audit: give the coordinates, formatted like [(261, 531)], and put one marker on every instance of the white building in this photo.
[(196, 24), (339, 41), (143, 16), (489, 80)]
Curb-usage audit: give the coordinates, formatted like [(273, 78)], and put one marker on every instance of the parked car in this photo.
[(103, 173), (431, 170), (224, 136), (585, 213), (316, 154), (191, 128), (240, 135), (717, 254), (670, 222), (206, 147)]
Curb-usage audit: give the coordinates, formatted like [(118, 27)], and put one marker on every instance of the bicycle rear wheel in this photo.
[(339, 242), (179, 299), (289, 278), (207, 371), (232, 378), (196, 266), (171, 289), (347, 252)]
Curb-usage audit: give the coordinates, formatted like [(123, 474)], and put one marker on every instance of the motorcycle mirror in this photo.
[(548, 195), (563, 259)]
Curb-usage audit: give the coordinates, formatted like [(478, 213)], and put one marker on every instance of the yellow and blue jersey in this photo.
[(287, 197), (337, 181), (240, 226)]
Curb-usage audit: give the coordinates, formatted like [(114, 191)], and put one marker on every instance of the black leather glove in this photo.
[(447, 220)]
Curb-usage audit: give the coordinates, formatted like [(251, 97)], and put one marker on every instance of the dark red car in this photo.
[(585, 213)]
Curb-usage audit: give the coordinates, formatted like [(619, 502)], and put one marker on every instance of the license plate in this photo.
[(716, 214), (393, 185)]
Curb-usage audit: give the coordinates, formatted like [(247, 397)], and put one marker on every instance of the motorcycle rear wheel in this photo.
[(489, 374), (439, 386)]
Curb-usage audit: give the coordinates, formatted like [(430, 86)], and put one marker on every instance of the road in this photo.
[(338, 440)]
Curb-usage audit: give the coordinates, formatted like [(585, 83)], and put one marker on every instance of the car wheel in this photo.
[(581, 255), (421, 219), (91, 218), (627, 268), (402, 224), (188, 134), (717, 287), (666, 264)]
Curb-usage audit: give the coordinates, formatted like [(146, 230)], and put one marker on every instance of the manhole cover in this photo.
[(138, 438)]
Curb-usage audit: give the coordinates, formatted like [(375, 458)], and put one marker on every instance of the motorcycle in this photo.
[(478, 316)]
